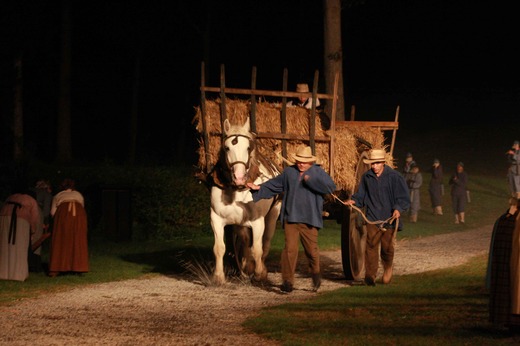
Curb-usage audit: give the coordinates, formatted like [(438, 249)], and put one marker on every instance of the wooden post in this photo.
[(284, 114), (312, 120), (352, 112), (223, 115), (205, 136), (394, 131), (253, 101), (333, 125)]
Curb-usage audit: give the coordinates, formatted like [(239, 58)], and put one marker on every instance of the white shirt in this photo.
[(307, 104), (66, 196)]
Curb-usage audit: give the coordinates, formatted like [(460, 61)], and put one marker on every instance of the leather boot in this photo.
[(461, 216), (387, 275), (438, 210), (316, 282), (287, 287), (370, 281)]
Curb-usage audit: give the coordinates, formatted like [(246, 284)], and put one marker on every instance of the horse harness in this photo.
[(252, 167), (250, 149)]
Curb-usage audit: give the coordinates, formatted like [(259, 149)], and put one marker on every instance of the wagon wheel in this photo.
[(353, 234)]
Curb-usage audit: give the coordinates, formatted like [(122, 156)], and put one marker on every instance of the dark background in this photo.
[(451, 66)]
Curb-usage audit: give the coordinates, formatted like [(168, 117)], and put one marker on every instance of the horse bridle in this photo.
[(234, 142)]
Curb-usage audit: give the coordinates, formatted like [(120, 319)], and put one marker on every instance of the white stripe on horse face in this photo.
[(237, 155)]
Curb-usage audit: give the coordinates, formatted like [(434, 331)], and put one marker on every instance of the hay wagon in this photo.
[(340, 146)]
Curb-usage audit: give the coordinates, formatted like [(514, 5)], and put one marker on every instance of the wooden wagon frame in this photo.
[(353, 231)]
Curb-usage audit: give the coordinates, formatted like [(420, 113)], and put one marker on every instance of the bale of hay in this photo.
[(348, 141)]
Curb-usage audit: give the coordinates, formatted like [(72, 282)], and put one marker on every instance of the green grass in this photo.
[(112, 261), (489, 199), (444, 307)]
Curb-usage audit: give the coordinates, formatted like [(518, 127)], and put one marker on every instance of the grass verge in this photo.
[(443, 307)]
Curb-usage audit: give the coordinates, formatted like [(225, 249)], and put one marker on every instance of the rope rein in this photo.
[(379, 223)]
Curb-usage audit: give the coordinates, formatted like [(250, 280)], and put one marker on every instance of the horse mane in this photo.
[(261, 159), (219, 175)]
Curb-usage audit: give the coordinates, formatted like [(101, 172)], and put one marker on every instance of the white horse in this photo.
[(232, 202)]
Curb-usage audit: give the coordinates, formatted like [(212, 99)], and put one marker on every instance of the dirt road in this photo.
[(179, 311)]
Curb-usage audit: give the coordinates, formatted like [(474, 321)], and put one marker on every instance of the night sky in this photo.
[(448, 64)]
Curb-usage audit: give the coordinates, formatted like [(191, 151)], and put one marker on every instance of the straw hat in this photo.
[(302, 88), (304, 155), (375, 155)]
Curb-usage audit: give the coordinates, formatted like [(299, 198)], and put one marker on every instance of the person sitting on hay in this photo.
[(303, 101)]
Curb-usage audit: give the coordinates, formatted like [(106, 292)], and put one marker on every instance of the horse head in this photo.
[(238, 148)]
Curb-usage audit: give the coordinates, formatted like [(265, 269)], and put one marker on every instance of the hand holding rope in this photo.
[(379, 223)]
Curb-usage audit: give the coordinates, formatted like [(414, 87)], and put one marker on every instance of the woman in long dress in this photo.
[(19, 219), (503, 277), (69, 246)]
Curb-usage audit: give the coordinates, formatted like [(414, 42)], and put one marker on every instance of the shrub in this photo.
[(166, 202)]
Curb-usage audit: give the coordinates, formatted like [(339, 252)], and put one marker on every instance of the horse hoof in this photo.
[(260, 278), (219, 280)]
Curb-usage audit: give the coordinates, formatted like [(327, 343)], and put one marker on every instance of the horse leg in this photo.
[(242, 246), (219, 249), (270, 227), (256, 249)]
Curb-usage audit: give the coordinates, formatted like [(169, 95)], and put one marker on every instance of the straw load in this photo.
[(348, 140)]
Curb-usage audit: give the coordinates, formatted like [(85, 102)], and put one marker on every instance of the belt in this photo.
[(12, 226), (72, 206)]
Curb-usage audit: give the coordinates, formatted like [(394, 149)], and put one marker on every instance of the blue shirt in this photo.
[(382, 195), (302, 199)]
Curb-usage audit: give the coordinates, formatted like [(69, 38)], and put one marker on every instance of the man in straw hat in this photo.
[(384, 193), (303, 101), (303, 185)]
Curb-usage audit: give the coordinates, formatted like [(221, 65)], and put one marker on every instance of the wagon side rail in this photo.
[(253, 92)]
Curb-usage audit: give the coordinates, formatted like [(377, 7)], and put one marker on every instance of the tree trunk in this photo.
[(18, 112), (134, 111), (333, 54), (64, 151)]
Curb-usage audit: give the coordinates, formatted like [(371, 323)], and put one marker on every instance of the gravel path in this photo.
[(178, 311)]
